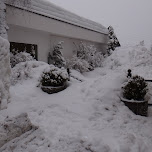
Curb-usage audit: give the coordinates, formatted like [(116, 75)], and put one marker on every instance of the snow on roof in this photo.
[(48, 9)]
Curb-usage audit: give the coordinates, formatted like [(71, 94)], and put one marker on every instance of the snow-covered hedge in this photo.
[(4, 73), (54, 76), (20, 57)]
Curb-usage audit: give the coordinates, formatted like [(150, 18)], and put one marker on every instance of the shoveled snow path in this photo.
[(89, 112), (86, 117)]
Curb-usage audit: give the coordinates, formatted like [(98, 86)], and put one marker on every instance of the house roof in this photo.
[(48, 9)]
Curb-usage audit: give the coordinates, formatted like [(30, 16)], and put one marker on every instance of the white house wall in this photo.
[(45, 41), (27, 19), (26, 27), (70, 45), (23, 35)]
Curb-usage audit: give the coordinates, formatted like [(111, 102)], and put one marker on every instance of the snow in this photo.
[(4, 73), (87, 116), (20, 57), (133, 101), (46, 8), (3, 25), (14, 127)]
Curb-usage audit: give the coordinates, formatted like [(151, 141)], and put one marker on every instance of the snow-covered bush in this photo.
[(98, 59), (20, 72), (54, 76), (135, 88), (20, 57), (78, 64), (57, 56), (86, 59), (113, 41), (26, 70), (90, 54), (4, 73)]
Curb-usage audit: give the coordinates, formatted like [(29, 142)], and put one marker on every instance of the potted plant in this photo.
[(54, 79), (134, 92)]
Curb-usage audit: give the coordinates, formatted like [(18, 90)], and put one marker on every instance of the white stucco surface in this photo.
[(45, 41), (71, 45), (26, 19), (50, 10), (23, 35)]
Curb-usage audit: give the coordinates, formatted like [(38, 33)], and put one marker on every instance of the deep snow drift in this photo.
[(4, 73), (86, 117)]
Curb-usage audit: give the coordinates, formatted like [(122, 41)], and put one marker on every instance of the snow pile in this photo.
[(141, 56), (31, 141), (4, 73), (131, 57), (3, 25), (87, 116), (14, 127)]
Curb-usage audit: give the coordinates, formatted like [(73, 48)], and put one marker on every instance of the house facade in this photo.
[(41, 25)]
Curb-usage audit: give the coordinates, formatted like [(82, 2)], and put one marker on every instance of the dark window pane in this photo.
[(23, 47)]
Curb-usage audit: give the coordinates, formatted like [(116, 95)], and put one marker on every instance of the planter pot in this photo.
[(51, 89), (137, 107)]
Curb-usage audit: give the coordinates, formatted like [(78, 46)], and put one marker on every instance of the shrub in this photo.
[(78, 64), (136, 89), (26, 70), (20, 57), (54, 76), (86, 59), (57, 56), (113, 41), (90, 54)]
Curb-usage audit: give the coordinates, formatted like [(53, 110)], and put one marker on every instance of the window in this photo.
[(23, 47)]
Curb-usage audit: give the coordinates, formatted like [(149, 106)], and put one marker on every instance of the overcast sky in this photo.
[(131, 19)]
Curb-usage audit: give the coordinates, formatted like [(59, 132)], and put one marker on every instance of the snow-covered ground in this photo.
[(87, 116)]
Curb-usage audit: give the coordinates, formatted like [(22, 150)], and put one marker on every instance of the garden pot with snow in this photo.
[(51, 89), (134, 92), (54, 79)]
